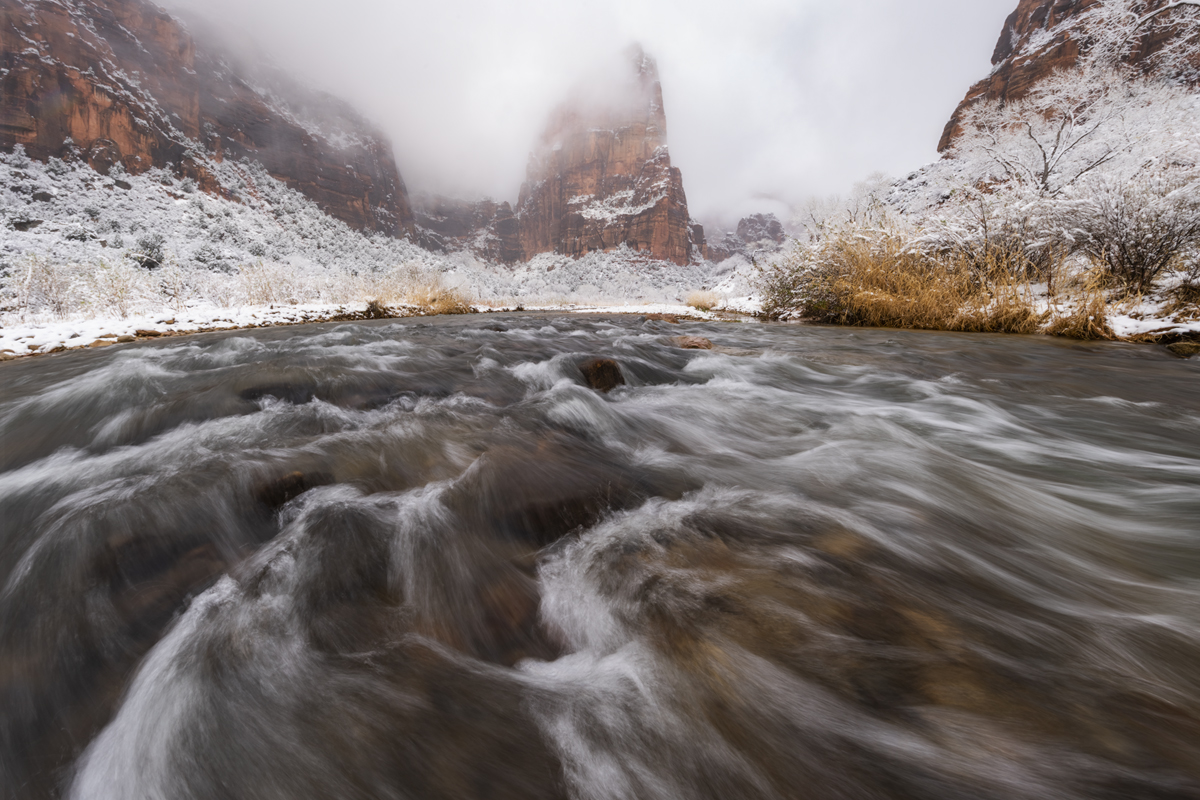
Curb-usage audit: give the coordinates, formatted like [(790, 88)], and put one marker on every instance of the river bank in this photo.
[(1142, 322), (56, 336)]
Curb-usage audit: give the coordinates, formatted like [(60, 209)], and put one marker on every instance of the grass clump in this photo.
[(878, 280), (1086, 315), (703, 300)]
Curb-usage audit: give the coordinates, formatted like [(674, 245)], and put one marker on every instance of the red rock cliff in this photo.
[(126, 82), (1043, 36), (601, 177)]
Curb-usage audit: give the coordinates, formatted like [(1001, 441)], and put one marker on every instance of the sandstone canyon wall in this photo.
[(123, 81), (599, 177), (1043, 36)]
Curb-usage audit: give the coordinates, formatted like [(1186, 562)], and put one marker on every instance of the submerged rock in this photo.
[(692, 342), (602, 374), (276, 493)]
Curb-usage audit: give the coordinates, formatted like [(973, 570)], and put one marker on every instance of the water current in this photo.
[(425, 559)]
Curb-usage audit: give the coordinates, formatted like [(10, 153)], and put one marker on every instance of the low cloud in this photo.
[(768, 102)]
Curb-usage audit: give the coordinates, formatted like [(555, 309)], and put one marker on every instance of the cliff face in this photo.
[(122, 81), (1043, 36), (601, 177), (488, 229), (756, 234)]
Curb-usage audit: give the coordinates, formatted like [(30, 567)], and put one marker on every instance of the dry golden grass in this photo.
[(1184, 302), (1087, 315), (433, 299), (881, 283), (703, 300)]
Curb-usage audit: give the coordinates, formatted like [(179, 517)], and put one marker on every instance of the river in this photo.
[(424, 559)]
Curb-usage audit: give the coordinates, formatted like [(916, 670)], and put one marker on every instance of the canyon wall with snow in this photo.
[(123, 82), (1042, 37)]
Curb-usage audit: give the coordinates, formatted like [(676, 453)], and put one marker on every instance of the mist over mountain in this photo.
[(770, 103)]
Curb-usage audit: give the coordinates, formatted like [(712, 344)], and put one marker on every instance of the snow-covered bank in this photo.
[(86, 254)]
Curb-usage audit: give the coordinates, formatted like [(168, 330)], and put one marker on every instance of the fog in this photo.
[(769, 102)]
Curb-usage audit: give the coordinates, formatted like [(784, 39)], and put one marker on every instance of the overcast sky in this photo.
[(768, 102)]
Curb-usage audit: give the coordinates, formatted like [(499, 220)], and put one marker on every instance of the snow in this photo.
[(271, 257)]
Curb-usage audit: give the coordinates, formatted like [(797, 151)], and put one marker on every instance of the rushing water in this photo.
[(425, 560)]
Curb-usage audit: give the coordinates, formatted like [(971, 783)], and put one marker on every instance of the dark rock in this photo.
[(294, 393), (126, 185), (1185, 349), (43, 197), (103, 154), (26, 224), (602, 374)]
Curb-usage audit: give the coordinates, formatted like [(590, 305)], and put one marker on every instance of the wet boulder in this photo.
[(1184, 349), (602, 374)]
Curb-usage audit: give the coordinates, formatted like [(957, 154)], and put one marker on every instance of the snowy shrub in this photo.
[(1140, 229), (177, 286), (269, 283), (41, 285), (207, 253), (117, 287), (149, 251), (18, 158), (1077, 123), (57, 167)]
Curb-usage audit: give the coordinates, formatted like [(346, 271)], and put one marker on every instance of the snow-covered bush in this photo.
[(1141, 228), (42, 285), (271, 283), (118, 287), (149, 251)]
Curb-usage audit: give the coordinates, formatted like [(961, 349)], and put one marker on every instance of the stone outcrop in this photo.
[(601, 177), (488, 229), (122, 81), (1040, 38), (757, 233)]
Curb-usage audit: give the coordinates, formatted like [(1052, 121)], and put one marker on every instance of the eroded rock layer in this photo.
[(1042, 37), (122, 81), (601, 177)]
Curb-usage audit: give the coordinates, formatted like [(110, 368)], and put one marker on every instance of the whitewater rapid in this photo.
[(417, 559)]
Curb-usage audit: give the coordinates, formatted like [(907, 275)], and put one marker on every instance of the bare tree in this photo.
[(1114, 29), (1071, 125)]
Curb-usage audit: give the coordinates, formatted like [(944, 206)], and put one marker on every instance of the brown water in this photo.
[(424, 560)]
